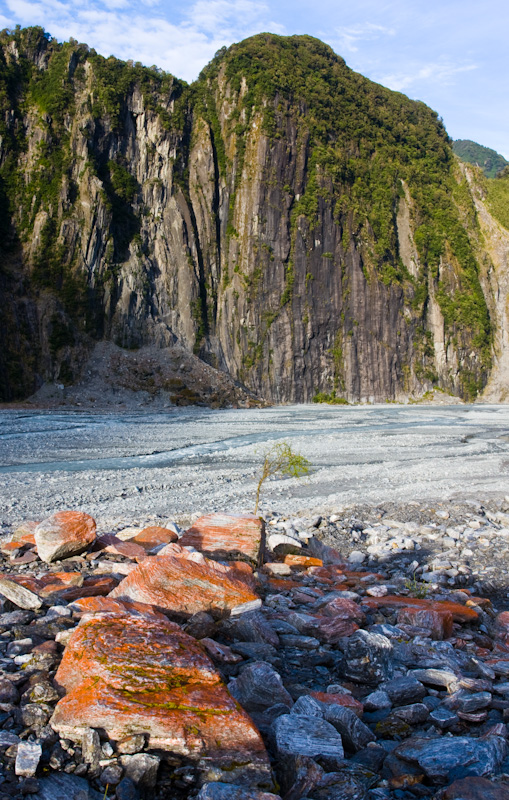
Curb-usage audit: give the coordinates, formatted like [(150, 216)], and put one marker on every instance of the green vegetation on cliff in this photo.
[(498, 197), (491, 162)]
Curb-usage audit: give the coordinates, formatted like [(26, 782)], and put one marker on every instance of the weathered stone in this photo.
[(302, 562), (27, 759), (459, 756), (258, 687), (111, 776), (253, 627), (404, 690), (441, 678), (476, 789), (94, 605), (141, 769), (220, 652), (112, 544), (131, 675), (468, 702), (443, 718), (61, 786), (19, 595), (459, 613), (414, 714), (376, 701), (126, 790), (227, 791), (343, 608), (436, 624), (368, 657), (355, 734), (339, 786), (91, 748), (153, 537), (66, 533), (295, 734), (131, 744), (228, 536), (307, 706), (185, 583), (339, 699), (8, 692)]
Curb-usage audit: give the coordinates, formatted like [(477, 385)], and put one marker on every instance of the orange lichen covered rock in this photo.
[(185, 583), (302, 561), (345, 700), (66, 533), (459, 613), (94, 605), (154, 536), (131, 675), (228, 536), (112, 544)]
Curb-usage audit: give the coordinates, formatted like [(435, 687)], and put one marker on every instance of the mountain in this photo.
[(491, 162), (284, 219)]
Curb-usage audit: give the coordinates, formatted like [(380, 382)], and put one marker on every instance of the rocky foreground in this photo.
[(233, 661)]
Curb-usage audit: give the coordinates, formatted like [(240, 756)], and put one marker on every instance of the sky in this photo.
[(452, 54)]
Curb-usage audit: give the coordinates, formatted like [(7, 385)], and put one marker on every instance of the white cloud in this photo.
[(442, 73), (347, 38), (122, 28)]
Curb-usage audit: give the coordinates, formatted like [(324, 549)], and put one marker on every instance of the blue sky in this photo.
[(452, 55)]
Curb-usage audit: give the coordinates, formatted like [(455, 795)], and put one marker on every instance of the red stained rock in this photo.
[(502, 625), (185, 583), (57, 581), (302, 561), (92, 587), (331, 630), (345, 700), (437, 622), (129, 549), (342, 608), (66, 533), (154, 536), (228, 536), (459, 613), (130, 675)]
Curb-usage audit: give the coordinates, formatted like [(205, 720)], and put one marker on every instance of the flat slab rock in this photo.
[(132, 675), (186, 582), (60, 786), (228, 536), (64, 534), (456, 757)]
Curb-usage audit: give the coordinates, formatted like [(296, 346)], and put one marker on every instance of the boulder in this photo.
[(64, 534), (129, 675), (228, 536), (186, 583)]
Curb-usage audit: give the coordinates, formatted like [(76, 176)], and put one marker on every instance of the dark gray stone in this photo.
[(258, 687), (141, 768), (444, 759), (61, 786), (414, 714), (368, 657), (229, 791), (404, 690), (295, 734), (443, 718), (355, 734), (467, 702)]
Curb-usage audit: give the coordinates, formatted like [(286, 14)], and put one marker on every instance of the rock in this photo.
[(307, 706), (338, 698), (93, 605), (283, 544), (357, 557), (445, 758), (201, 625), (404, 690), (112, 544), (459, 612), (258, 687), (228, 536), (129, 675), (440, 678), (253, 627), (302, 562), (131, 744), (19, 595), (141, 769), (343, 608), (368, 657), (61, 786), (220, 652), (185, 583), (111, 775), (91, 748), (443, 718), (126, 790), (475, 789), (414, 714), (227, 791), (27, 759), (377, 701), (339, 786), (468, 702), (66, 533), (298, 735), (355, 734), (436, 624), (153, 537), (8, 692)]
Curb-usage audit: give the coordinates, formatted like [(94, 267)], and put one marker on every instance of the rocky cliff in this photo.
[(283, 218)]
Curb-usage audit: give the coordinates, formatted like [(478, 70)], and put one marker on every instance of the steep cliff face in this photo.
[(284, 218)]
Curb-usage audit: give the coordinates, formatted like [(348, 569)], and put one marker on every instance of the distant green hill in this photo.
[(489, 160)]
